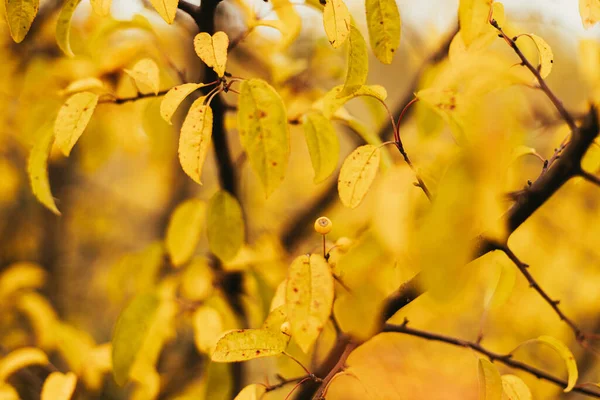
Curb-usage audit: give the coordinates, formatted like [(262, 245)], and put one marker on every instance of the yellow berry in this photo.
[(323, 225), (286, 328)]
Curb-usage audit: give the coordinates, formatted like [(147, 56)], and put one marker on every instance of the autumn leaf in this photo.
[(514, 388), (251, 392), (183, 231), (383, 21), (20, 15), (337, 21), (82, 85), (130, 332), (59, 386), (101, 7), (331, 102), (224, 225), (146, 75), (589, 10), (37, 169), (213, 50), (490, 383), (195, 139), (208, 328), (73, 117), (323, 144), (308, 298), (358, 63), (357, 174), (546, 58), (175, 97), (63, 26), (473, 17), (19, 359), (19, 276), (262, 123), (166, 9), (247, 344)]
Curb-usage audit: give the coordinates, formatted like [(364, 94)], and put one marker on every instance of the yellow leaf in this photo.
[(290, 22), (514, 388), (546, 58), (357, 174), (208, 327), (358, 312), (473, 18), (183, 232), (195, 139), (276, 317), (308, 298), (37, 169), (358, 63), (247, 344), (224, 225), (41, 316), (59, 386), (146, 75), (7, 392), (262, 124), (331, 102), (323, 144), (19, 276), (521, 151), (20, 15), (197, 280), (85, 84), (101, 7), (213, 50), (503, 288), (564, 353), (446, 103), (383, 21), (130, 333), (251, 392), (21, 358), (490, 383), (336, 20), (73, 117), (174, 97), (590, 12), (166, 9), (63, 26)]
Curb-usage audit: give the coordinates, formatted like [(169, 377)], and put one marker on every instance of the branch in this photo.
[(283, 381), (340, 365), (505, 359), (139, 96), (590, 177)]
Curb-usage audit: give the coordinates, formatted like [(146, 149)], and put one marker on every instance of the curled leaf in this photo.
[(247, 344), (308, 298), (20, 15), (323, 145), (383, 21), (73, 117), (331, 102), (37, 169), (490, 383), (63, 26), (357, 174), (213, 50), (195, 139), (546, 57), (174, 98), (146, 75), (358, 63), (21, 358), (337, 21), (59, 386)]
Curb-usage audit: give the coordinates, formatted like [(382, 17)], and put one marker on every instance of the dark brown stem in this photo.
[(340, 365), (590, 177), (139, 96), (505, 359)]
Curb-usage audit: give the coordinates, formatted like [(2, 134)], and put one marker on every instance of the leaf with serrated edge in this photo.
[(21, 358), (514, 388), (37, 169), (213, 50), (336, 20), (262, 124), (166, 9), (323, 144), (174, 98), (358, 63), (224, 225), (195, 139), (309, 298), (384, 24), (73, 117), (247, 344), (357, 174), (145, 73), (130, 333), (564, 353), (183, 231), (20, 15), (63, 26), (59, 386), (490, 384)]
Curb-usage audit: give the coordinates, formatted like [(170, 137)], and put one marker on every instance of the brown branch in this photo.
[(139, 96), (340, 365), (283, 381), (505, 359), (590, 177)]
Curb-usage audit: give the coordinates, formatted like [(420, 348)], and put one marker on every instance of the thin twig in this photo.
[(340, 365), (139, 96), (505, 359), (590, 177), (283, 381)]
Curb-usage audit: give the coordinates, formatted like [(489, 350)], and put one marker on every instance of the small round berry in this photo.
[(323, 225), (286, 328)]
